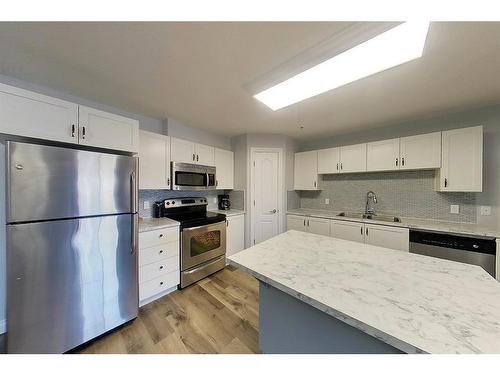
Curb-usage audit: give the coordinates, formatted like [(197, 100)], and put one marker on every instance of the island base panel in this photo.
[(290, 326)]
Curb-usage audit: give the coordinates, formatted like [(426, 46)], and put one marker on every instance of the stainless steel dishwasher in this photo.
[(480, 251)]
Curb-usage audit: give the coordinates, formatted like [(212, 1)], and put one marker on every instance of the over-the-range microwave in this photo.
[(186, 176)]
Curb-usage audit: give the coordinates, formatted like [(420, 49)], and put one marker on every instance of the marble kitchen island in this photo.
[(324, 295)]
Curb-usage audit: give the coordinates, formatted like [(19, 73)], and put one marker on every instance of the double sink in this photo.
[(360, 215)]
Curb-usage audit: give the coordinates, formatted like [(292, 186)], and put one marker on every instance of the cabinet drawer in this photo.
[(158, 284), (158, 237), (157, 269), (157, 253)]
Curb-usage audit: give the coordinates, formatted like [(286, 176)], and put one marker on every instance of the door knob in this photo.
[(272, 211)]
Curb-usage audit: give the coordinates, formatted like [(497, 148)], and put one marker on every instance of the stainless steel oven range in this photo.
[(203, 237)]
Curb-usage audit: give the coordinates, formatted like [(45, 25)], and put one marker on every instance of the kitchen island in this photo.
[(324, 295)]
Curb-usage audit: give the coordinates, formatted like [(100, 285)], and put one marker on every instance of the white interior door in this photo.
[(266, 195)]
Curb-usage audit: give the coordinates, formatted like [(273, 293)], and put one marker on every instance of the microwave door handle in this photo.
[(208, 179)]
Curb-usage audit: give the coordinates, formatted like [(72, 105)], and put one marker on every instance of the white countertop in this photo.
[(412, 302), (230, 212), (411, 223), (147, 224)]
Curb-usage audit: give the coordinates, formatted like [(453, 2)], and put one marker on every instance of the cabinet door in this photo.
[(29, 114), (347, 230), (329, 160), (224, 169), (182, 151), (295, 222), (382, 155), (421, 151), (204, 154), (235, 234), (318, 226), (386, 236), (353, 158), (154, 161), (306, 171), (107, 130), (462, 160)]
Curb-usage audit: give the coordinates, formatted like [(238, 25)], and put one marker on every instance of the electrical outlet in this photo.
[(146, 205), (485, 210), (327, 200), (454, 209)]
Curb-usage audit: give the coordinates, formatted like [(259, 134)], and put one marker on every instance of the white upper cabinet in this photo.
[(306, 171), (353, 158), (29, 114), (189, 152), (386, 236), (421, 151), (462, 160), (224, 169), (205, 155), (154, 161), (107, 130), (382, 155), (329, 160), (182, 151)]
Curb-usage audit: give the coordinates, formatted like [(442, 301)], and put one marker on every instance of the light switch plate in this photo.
[(485, 210), (327, 200), (146, 205), (454, 209)]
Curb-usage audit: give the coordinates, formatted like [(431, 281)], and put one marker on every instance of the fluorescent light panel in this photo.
[(396, 46)]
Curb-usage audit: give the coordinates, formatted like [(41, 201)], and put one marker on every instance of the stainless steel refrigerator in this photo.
[(71, 246)]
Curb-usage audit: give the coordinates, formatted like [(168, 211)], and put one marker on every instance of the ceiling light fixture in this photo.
[(396, 46)]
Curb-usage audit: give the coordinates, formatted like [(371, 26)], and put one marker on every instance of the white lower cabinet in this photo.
[(348, 230), (373, 234), (386, 236), (308, 224), (159, 263), (235, 234)]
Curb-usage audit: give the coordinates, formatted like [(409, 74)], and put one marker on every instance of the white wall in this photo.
[(2, 242), (488, 116)]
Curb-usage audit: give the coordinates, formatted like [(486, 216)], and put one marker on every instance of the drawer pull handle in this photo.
[(161, 251), (161, 267), (161, 235), (161, 282)]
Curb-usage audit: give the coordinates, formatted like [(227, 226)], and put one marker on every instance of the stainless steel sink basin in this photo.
[(359, 215)]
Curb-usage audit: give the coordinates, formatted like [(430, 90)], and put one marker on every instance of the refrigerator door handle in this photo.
[(133, 192), (134, 235)]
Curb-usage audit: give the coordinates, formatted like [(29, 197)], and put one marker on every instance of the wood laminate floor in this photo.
[(219, 314)]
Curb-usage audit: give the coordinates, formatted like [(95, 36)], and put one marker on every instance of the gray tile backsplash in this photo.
[(237, 199), (158, 195), (402, 193)]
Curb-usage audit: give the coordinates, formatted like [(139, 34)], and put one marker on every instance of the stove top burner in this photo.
[(190, 212)]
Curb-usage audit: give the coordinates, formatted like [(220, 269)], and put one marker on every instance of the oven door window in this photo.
[(205, 242), (190, 179)]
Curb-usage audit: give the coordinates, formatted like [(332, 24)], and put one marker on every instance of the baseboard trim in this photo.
[(159, 295), (3, 326)]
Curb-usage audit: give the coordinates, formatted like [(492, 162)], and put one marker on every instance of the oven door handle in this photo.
[(221, 223)]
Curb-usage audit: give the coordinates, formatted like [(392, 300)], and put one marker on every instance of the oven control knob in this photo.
[(168, 203), (173, 202)]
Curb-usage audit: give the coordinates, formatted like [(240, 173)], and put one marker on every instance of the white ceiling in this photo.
[(197, 72)]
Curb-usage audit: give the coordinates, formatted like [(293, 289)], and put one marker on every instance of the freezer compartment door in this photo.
[(69, 281), (47, 182)]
